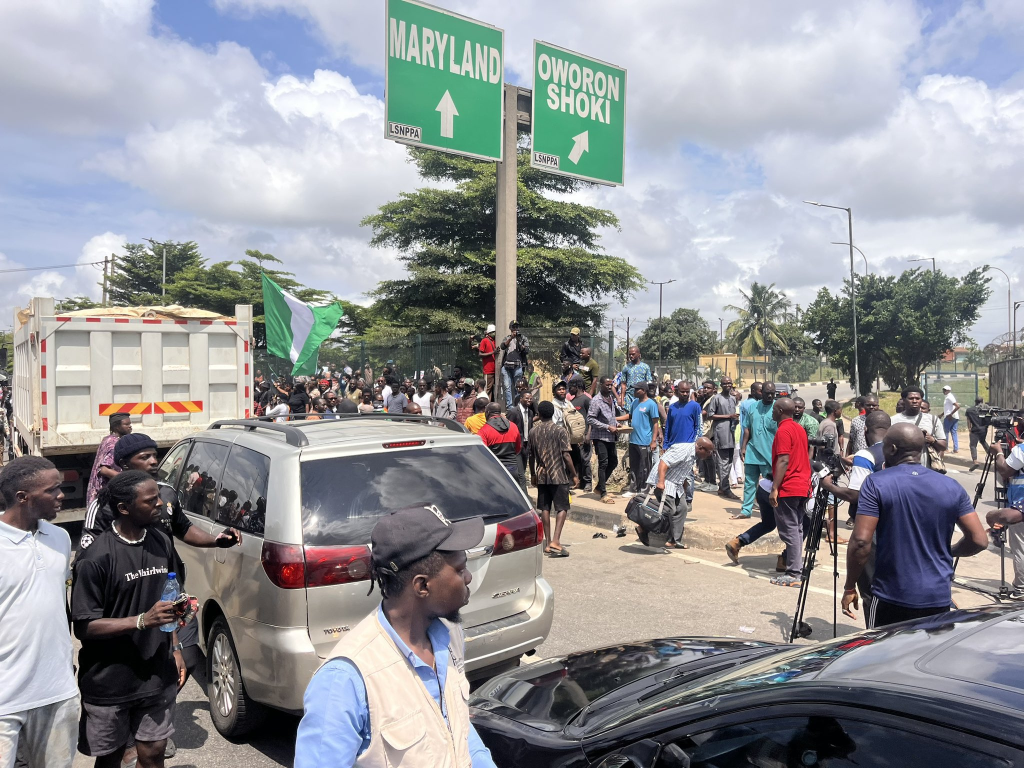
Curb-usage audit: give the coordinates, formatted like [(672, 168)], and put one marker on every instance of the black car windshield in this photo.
[(778, 669), (556, 692), (343, 496)]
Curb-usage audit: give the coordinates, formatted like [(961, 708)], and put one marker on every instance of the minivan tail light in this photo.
[(521, 532), (405, 444), (326, 566), (284, 565)]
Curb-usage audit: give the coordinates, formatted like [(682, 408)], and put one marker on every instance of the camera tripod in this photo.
[(998, 534), (817, 523)]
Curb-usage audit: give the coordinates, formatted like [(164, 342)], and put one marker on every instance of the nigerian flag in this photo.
[(295, 329)]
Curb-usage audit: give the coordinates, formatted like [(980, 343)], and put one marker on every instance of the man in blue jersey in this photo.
[(914, 510)]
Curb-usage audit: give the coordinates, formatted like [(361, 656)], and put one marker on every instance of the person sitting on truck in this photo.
[(104, 467)]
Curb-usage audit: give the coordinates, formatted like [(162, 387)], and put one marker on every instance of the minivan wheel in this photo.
[(233, 713)]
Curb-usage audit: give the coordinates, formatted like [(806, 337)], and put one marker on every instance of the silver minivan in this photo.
[(306, 495)]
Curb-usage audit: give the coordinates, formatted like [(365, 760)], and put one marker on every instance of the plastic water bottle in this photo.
[(170, 594)]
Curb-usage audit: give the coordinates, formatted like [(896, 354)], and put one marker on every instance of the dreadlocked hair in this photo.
[(122, 489), (392, 583)]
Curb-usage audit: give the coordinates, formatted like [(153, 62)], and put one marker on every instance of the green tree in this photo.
[(75, 303), (138, 273), (446, 238), (757, 327), (684, 335), (904, 323)]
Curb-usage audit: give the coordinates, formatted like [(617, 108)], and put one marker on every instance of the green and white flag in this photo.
[(295, 329)]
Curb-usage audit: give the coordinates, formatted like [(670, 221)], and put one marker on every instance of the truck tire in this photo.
[(234, 714)]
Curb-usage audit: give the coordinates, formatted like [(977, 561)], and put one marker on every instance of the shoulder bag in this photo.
[(934, 454)]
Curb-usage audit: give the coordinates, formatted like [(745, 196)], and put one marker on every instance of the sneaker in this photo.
[(1017, 594), (728, 494), (628, 494), (973, 468), (170, 750)]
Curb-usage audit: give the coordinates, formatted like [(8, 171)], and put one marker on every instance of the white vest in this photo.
[(406, 725)]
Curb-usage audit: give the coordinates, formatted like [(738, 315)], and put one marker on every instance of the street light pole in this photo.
[(661, 328), (861, 255), (1015, 305), (926, 258), (853, 290), (1009, 298)]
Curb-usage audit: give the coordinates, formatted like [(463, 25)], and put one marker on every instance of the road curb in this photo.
[(697, 534)]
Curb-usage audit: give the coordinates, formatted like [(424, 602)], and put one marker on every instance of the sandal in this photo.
[(559, 552), (786, 581), (607, 500)]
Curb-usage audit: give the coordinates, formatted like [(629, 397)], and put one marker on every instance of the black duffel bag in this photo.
[(648, 513)]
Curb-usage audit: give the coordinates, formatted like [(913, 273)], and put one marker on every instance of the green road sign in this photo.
[(579, 115), (443, 80)]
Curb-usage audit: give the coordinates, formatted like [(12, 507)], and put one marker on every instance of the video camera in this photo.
[(826, 456), (1001, 421)]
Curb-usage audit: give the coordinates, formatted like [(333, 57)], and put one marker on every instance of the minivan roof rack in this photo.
[(297, 437)]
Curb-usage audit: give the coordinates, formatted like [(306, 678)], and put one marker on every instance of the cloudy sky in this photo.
[(258, 124)]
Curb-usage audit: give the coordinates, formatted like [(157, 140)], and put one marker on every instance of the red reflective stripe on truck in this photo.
[(46, 424), (44, 397), (93, 319), (42, 346), (246, 346), (42, 371), (120, 319), (151, 321)]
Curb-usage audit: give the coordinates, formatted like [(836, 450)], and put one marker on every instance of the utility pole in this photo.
[(661, 330), (106, 261), (518, 103)]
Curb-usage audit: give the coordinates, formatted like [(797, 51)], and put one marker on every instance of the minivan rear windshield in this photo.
[(342, 497)]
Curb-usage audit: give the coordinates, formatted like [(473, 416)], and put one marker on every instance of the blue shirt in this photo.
[(682, 423), (745, 407), (1015, 486), (642, 416), (335, 728), (917, 510)]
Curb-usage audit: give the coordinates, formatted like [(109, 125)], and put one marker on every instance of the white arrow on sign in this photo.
[(448, 114), (581, 144)]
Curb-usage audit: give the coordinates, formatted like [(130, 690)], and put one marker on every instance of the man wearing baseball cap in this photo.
[(572, 349), (405, 661), (951, 416)]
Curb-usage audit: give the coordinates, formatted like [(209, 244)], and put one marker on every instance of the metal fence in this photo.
[(963, 385), (1006, 383), (436, 355)]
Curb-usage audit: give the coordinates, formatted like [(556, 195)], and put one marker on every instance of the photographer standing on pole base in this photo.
[(1011, 470), (913, 510)]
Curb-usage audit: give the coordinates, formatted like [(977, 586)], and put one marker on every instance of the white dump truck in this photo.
[(174, 370)]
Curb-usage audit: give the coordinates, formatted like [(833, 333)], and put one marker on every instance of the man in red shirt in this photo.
[(486, 349), (503, 438), (791, 471)]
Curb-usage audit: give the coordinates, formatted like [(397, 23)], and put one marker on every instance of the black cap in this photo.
[(514, 324), (133, 443), (407, 535)]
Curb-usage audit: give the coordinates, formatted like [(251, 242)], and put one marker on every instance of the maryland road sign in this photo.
[(579, 115), (443, 80)]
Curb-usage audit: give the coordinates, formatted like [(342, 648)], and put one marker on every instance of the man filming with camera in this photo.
[(913, 510), (1011, 470)]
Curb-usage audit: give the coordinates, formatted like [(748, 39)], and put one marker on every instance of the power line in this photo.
[(55, 266)]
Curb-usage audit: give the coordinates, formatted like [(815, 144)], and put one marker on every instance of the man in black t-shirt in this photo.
[(298, 400), (127, 676), (138, 451)]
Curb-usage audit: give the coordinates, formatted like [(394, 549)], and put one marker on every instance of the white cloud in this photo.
[(305, 153), (953, 145), (96, 68)]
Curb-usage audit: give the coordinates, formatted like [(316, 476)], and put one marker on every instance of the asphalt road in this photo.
[(609, 591)]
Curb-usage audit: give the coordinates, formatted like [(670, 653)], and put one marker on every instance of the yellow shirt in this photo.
[(474, 422)]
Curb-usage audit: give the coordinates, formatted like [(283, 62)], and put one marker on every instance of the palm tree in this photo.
[(757, 327)]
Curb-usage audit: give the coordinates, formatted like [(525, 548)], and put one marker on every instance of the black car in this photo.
[(947, 690)]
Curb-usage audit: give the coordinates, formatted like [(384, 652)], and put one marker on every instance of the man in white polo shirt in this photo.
[(38, 695)]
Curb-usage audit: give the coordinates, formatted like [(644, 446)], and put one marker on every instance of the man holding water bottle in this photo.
[(130, 663)]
